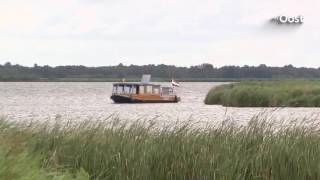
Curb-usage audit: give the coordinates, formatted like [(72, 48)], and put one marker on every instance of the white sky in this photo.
[(180, 32)]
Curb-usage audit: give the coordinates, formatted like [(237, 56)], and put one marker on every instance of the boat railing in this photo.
[(167, 91)]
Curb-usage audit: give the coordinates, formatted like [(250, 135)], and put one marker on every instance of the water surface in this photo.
[(46, 100)]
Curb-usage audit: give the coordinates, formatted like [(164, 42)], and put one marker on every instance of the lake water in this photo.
[(82, 101)]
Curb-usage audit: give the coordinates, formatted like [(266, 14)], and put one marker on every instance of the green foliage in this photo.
[(116, 150), (289, 93), (17, 163), (161, 72), (23, 166)]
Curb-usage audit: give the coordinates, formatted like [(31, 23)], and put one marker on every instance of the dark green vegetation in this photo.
[(116, 150), (290, 93), (204, 72)]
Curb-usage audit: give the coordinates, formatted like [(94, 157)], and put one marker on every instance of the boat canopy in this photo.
[(134, 84)]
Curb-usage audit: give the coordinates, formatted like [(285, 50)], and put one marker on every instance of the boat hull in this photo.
[(130, 99)]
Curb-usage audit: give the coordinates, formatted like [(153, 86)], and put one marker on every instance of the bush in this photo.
[(296, 93)]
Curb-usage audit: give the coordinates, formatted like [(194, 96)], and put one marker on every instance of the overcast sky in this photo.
[(180, 32)]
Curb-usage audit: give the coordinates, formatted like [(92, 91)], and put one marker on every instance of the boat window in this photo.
[(114, 90), (127, 89), (119, 89), (133, 90), (156, 90), (141, 89), (149, 89)]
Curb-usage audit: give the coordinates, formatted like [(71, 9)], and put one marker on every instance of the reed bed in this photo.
[(281, 93), (113, 149)]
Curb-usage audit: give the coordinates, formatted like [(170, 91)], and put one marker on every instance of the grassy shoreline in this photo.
[(115, 150), (285, 93)]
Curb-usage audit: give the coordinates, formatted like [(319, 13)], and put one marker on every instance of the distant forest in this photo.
[(203, 72)]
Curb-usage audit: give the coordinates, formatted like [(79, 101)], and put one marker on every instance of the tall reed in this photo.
[(282, 93), (113, 149)]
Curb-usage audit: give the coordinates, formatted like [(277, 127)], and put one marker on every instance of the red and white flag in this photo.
[(174, 83)]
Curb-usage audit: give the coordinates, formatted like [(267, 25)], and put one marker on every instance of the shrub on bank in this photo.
[(296, 93)]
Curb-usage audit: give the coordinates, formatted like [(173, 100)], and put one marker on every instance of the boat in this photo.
[(143, 92)]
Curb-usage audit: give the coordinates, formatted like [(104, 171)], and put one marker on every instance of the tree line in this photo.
[(10, 72)]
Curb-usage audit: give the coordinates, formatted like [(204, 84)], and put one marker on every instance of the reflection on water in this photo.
[(43, 101)]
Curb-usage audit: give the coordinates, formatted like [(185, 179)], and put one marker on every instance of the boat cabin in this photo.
[(143, 92), (141, 89)]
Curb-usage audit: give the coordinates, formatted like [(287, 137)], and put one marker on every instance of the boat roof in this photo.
[(134, 84)]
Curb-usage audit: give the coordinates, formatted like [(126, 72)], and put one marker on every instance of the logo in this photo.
[(297, 20)]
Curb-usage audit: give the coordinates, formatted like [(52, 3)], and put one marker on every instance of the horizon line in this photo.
[(178, 66)]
